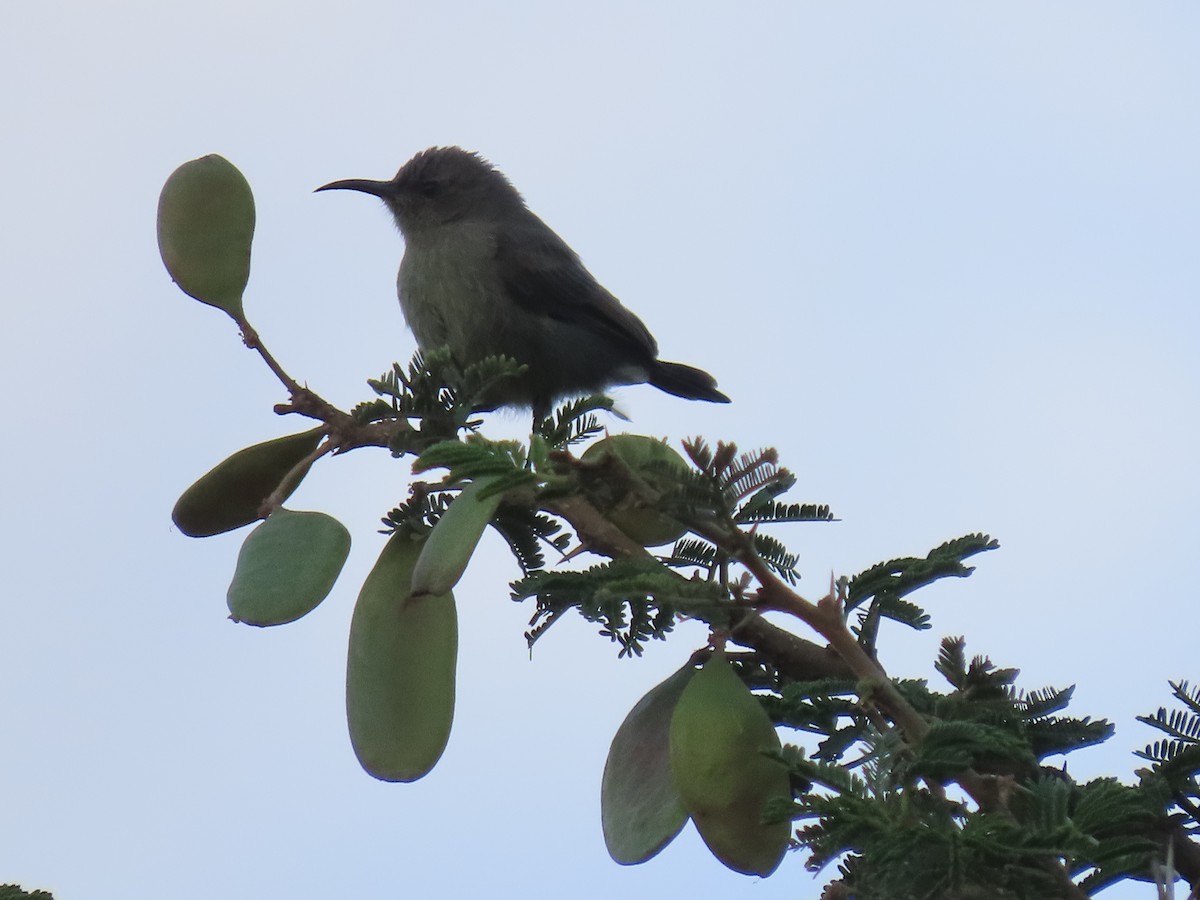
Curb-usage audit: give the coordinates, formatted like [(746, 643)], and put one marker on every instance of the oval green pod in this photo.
[(205, 228), (453, 540), (646, 457), (287, 565), (718, 733), (229, 495), (400, 669), (640, 807)]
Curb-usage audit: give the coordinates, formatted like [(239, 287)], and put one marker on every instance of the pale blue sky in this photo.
[(942, 255)]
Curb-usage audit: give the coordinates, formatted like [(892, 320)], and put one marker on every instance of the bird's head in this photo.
[(439, 186)]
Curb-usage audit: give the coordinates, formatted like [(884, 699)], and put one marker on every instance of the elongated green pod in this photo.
[(400, 669), (453, 540), (287, 565), (718, 734), (229, 495), (205, 228), (640, 807)]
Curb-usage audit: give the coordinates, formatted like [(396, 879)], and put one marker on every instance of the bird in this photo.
[(484, 276)]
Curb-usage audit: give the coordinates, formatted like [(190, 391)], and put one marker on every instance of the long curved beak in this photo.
[(377, 188)]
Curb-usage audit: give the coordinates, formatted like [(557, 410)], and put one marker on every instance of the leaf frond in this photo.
[(634, 600), (574, 422)]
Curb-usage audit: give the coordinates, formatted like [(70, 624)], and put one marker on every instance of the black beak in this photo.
[(377, 188)]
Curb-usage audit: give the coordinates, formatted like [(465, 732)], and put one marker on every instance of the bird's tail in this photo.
[(685, 381)]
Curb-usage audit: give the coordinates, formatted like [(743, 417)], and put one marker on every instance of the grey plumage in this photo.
[(484, 276)]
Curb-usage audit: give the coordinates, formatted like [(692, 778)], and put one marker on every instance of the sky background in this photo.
[(941, 255)]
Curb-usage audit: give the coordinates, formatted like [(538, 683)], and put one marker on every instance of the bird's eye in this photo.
[(429, 188)]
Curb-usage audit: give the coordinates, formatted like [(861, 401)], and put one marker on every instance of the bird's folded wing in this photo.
[(545, 277)]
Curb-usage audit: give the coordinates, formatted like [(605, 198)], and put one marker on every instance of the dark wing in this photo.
[(545, 278)]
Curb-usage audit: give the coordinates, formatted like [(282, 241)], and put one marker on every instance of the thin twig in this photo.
[(292, 478), (252, 340)]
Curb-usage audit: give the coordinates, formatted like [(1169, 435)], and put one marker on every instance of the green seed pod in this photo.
[(400, 669), (205, 228), (640, 807), (718, 735), (287, 565), (228, 495), (454, 538), (646, 457)]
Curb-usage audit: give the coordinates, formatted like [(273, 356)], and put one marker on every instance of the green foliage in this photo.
[(13, 892), (231, 494), (1122, 821), (910, 790), (575, 422), (724, 763), (420, 512), (633, 600), (436, 391), (760, 508), (699, 554), (895, 814), (899, 840), (885, 584), (1049, 735), (863, 797), (777, 556), (525, 531), (502, 462), (627, 477), (985, 695), (452, 542), (1183, 729), (640, 807), (726, 480), (828, 708), (205, 229), (951, 746), (400, 668), (1176, 759), (287, 565)]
